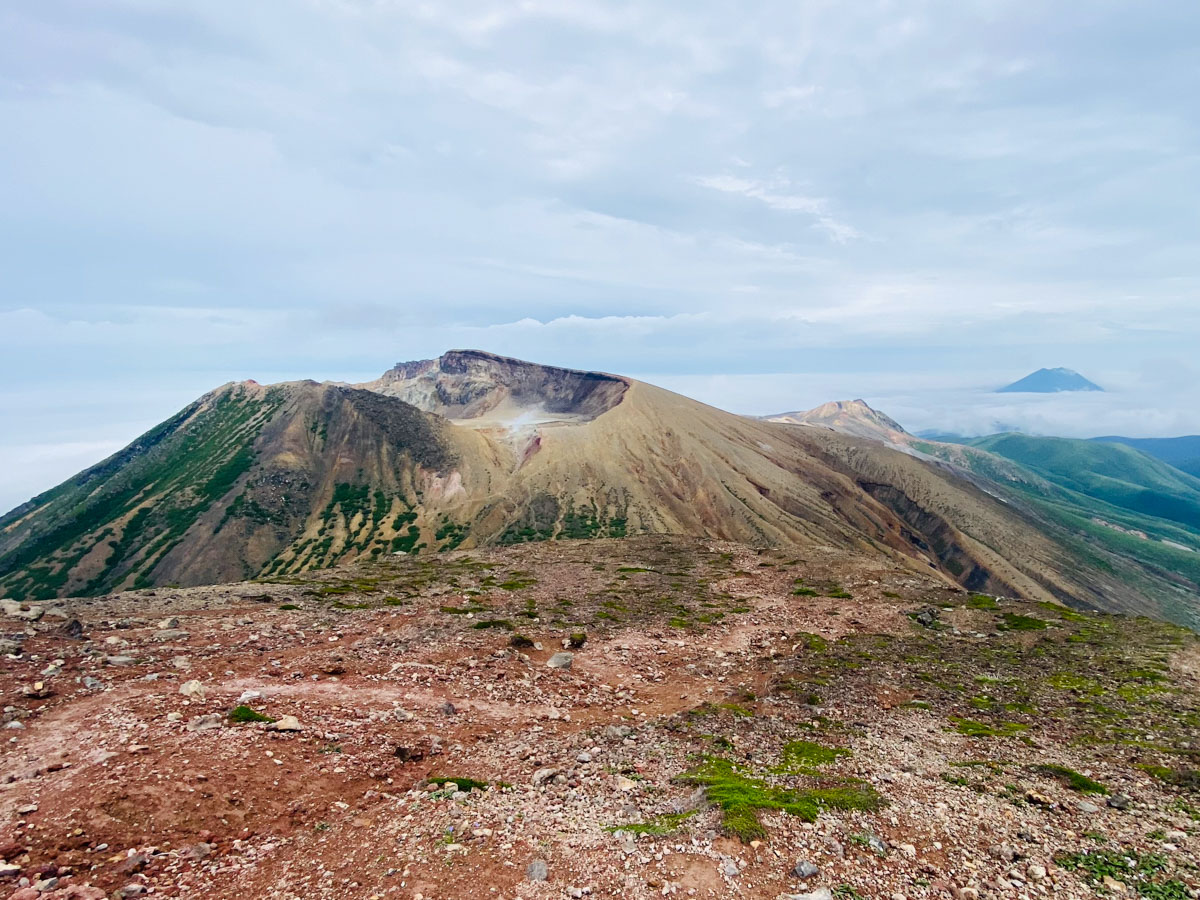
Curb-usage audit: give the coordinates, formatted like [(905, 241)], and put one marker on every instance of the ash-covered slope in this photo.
[(1126, 519), (849, 417), (486, 389), (270, 481)]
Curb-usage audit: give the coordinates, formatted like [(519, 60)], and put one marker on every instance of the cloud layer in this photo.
[(928, 196)]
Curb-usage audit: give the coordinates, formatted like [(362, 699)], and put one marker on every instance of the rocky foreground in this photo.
[(635, 718)]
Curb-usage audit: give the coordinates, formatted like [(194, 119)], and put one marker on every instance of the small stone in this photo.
[(541, 776), (21, 610), (621, 783), (818, 894), (286, 723), (72, 630), (729, 868), (1119, 888), (131, 864), (198, 850), (166, 624), (1037, 798), (171, 634), (249, 697), (1036, 872), (537, 870), (211, 722), (192, 689), (926, 617), (1087, 807), (1003, 852), (561, 660), (1120, 801), (806, 869), (119, 660), (27, 809), (584, 757)]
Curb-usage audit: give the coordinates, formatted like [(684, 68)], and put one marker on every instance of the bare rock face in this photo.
[(471, 384)]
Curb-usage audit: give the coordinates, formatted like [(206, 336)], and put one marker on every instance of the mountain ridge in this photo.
[(272, 481)]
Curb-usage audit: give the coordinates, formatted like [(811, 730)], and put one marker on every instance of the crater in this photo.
[(483, 390)]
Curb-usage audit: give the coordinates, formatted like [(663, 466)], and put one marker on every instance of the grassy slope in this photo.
[(133, 508), (1181, 452), (1075, 507), (1114, 474)]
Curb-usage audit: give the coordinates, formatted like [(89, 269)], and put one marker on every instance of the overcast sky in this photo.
[(764, 205)]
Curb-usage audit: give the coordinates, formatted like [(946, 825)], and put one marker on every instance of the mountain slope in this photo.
[(222, 488), (849, 417), (473, 449), (1050, 381), (1181, 452), (1095, 504), (1113, 473)]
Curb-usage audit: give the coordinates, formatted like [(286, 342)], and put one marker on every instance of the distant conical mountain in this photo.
[(1050, 381), (472, 449)]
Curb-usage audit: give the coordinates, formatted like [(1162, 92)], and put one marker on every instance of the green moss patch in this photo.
[(243, 713), (971, 728), (802, 757), (741, 795), (1143, 872), (981, 601), (1076, 781), (656, 827), (483, 624), (1018, 622)]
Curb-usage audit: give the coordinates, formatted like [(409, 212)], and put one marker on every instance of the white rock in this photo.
[(287, 723), (193, 689)]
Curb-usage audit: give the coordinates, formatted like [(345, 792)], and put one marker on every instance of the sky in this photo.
[(764, 205)]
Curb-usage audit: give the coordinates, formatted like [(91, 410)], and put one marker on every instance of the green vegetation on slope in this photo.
[(139, 503), (1111, 473)]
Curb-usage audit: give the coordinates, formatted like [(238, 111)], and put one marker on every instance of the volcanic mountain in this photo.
[(849, 417), (473, 449), (1050, 381)]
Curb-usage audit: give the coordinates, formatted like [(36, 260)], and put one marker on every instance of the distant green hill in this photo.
[(1130, 513), (1115, 474), (1181, 452)]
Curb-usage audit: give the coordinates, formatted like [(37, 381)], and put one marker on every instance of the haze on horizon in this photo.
[(764, 209)]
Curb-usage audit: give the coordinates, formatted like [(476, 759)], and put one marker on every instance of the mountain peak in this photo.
[(847, 416), (1050, 381), (490, 390)]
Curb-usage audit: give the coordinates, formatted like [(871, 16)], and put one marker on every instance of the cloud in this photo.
[(840, 192)]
